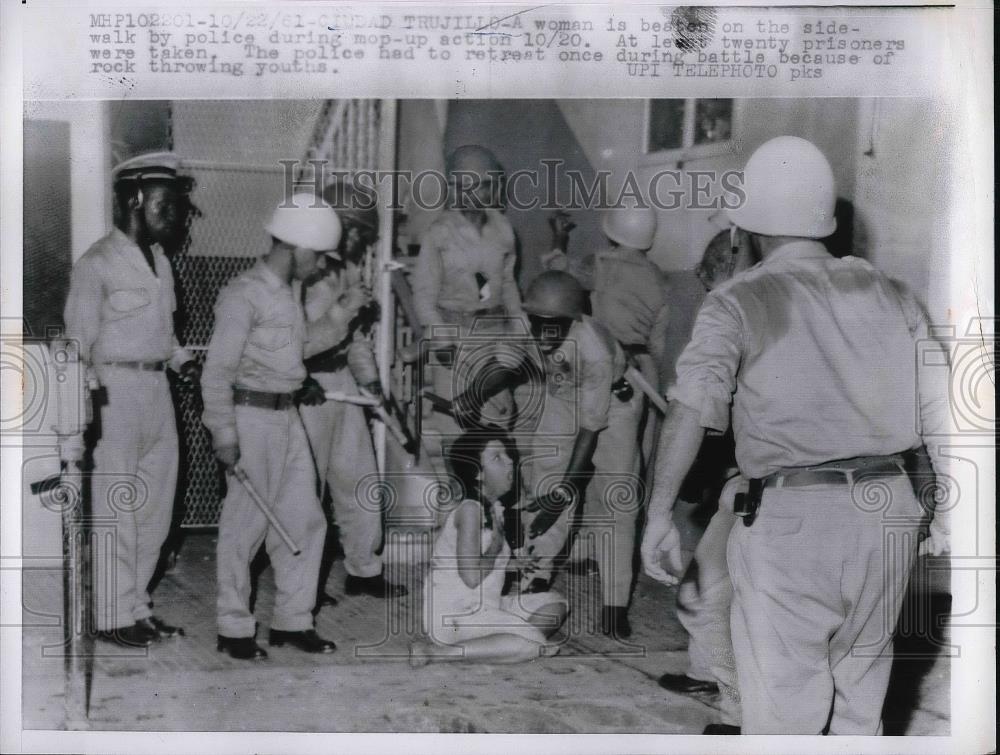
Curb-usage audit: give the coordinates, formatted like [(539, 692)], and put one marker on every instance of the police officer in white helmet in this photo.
[(817, 357), (254, 376), (340, 314)]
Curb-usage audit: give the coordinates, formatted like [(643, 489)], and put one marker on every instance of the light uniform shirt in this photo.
[(452, 251), (817, 356), (328, 322), (628, 294), (257, 343), (580, 372), (118, 309)]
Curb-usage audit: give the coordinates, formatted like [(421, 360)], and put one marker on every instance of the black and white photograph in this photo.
[(346, 398)]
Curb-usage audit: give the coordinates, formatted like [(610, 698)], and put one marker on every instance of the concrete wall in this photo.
[(611, 133), (522, 133), (90, 165), (904, 192), (420, 147)]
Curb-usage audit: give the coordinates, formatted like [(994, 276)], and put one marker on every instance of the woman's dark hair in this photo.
[(465, 459)]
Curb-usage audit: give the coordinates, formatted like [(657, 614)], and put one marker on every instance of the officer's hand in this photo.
[(228, 456), (374, 389), (549, 507), (353, 299), (190, 373), (71, 448), (522, 558), (311, 393), (662, 539), (937, 542), (561, 225)]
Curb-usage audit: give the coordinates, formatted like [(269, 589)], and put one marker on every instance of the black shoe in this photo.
[(722, 729), (307, 641), (241, 648), (686, 685), (376, 586), (134, 636), (536, 585), (583, 568), (614, 622), (159, 629)]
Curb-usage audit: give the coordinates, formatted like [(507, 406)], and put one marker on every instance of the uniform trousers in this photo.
[(819, 580), (704, 602), (132, 489), (275, 454), (611, 502), (345, 462)]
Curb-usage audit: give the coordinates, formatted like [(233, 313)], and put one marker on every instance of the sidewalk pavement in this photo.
[(595, 684)]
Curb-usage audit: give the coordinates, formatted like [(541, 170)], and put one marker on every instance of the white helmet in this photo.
[(789, 191), (306, 221), (632, 226)]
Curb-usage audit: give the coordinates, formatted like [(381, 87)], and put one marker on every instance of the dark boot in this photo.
[(307, 641), (686, 685), (376, 586), (614, 622), (241, 648)]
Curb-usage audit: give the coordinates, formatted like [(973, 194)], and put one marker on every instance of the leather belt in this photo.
[(635, 349), (837, 473), (143, 366), (331, 360), (263, 399), (456, 317)]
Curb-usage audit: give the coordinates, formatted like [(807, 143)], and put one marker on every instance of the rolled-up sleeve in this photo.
[(427, 274), (596, 377), (511, 294), (933, 378), (706, 369), (233, 321)]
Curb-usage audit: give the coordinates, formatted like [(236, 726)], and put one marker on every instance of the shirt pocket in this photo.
[(128, 301), (271, 338), (456, 260)]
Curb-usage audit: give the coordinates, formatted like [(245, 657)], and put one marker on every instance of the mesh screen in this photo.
[(233, 149)]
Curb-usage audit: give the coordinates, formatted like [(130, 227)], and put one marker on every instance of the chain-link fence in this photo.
[(237, 151)]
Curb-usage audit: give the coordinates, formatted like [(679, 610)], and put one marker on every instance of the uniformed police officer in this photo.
[(254, 376), (628, 291), (120, 311), (580, 423), (464, 285), (339, 316), (817, 355), (628, 297)]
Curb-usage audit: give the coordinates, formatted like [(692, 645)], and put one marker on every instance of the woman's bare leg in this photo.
[(549, 618), (494, 648)]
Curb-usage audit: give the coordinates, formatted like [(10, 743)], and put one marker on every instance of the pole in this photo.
[(636, 378), (240, 474)]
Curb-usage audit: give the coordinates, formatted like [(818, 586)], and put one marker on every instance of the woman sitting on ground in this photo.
[(465, 616)]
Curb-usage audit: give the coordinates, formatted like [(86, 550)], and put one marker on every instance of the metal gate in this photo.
[(240, 181)]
